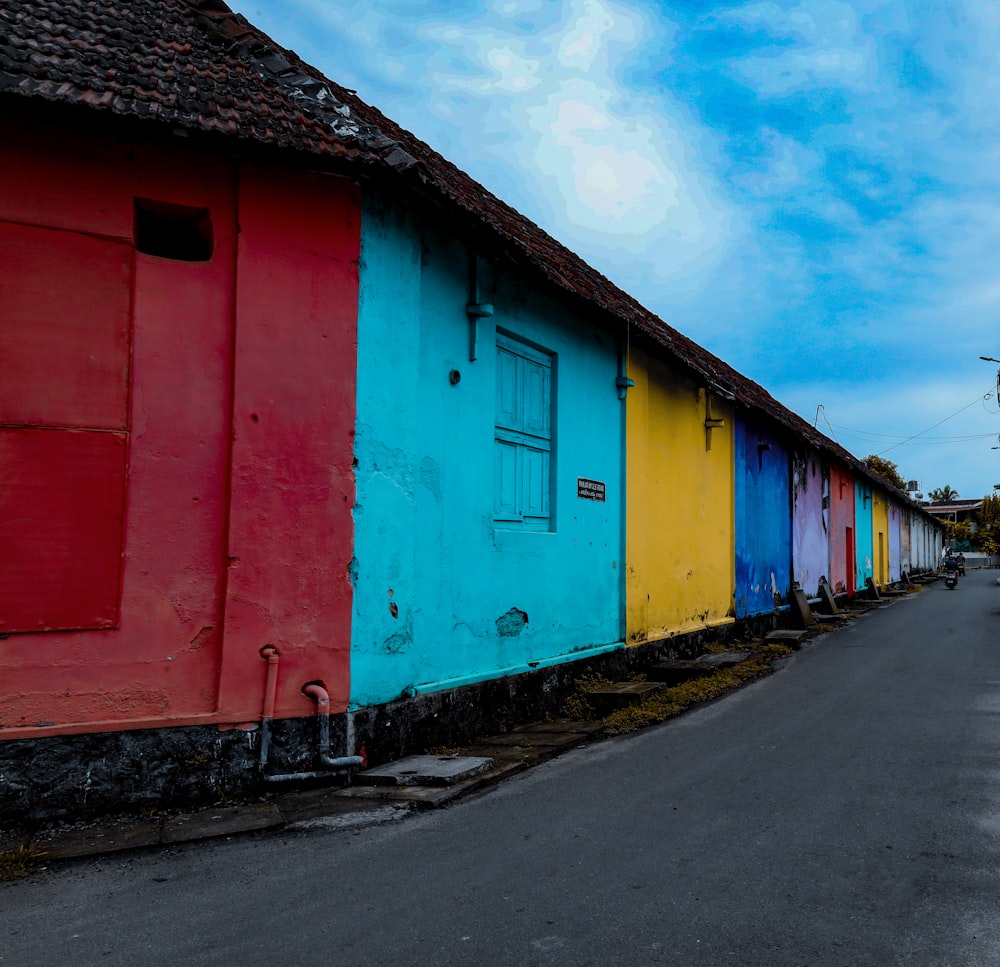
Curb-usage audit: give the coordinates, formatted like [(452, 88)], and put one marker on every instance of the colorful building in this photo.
[(489, 447), (864, 519), (176, 456), (679, 575), (842, 530), (763, 519), (312, 447), (810, 524)]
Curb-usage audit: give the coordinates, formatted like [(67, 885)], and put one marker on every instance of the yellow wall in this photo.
[(679, 531), (880, 537)]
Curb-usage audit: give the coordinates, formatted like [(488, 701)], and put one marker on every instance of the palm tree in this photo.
[(944, 493)]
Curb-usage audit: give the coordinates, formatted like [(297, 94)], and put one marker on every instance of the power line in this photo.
[(886, 437), (939, 422)]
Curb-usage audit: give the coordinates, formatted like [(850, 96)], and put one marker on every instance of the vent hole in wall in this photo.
[(173, 231)]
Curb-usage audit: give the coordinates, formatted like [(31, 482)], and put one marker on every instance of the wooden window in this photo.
[(523, 461)]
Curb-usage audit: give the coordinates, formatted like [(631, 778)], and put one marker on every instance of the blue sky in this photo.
[(811, 190)]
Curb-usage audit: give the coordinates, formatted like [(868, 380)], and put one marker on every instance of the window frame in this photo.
[(524, 438)]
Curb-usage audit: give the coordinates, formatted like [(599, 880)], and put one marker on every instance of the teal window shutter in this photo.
[(522, 467)]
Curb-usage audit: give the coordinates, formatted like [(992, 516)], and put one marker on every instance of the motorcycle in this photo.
[(961, 569), (950, 579)]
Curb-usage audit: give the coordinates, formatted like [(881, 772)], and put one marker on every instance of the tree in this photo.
[(944, 493), (887, 470), (962, 537), (989, 525)]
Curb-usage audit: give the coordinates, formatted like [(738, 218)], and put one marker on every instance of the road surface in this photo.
[(843, 811)]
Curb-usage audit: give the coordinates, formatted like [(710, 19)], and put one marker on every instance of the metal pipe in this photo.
[(272, 656), (322, 698), (320, 695)]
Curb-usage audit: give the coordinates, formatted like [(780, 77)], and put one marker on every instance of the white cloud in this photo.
[(580, 46), (612, 175), (812, 43)]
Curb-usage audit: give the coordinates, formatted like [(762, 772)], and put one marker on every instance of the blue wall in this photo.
[(445, 594), (763, 520), (863, 543)]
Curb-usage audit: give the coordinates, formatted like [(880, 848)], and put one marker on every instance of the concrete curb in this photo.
[(322, 808)]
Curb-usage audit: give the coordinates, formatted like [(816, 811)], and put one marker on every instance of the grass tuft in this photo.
[(19, 863)]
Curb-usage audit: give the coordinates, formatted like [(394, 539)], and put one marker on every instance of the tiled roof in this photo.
[(191, 64), (195, 64)]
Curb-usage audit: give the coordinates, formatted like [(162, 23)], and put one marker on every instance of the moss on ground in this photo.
[(672, 701), (578, 706)]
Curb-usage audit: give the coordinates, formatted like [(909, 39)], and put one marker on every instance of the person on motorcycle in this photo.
[(950, 572), (960, 560)]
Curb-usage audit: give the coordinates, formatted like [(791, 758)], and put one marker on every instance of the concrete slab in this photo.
[(353, 819), (573, 726), (421, 797), (681, 670), (311, 804), (504, 755), (424, 770), (722, 659), (826, 596), (801, 607), (522, 756), (786, 636), (101, 840), (621, 695), (210, 823), (530, 739)]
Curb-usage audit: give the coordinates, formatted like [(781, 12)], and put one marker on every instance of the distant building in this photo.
[(956, 511)]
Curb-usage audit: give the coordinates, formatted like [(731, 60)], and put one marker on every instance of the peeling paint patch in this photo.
[(430, 477), (511, 624)]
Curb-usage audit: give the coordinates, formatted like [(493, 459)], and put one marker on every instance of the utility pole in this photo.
[(990, 359)]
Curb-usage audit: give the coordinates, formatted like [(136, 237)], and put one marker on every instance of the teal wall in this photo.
[(443, 594), (864, 553)]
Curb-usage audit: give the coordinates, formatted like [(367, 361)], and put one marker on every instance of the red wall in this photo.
[(175, 438)]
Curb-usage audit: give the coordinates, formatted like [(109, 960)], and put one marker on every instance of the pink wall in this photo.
[(216, 396), (841, 530)]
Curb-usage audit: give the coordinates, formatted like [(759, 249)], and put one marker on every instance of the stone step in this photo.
[(424, 770), (787, 636), (618, 695), (676, 671)]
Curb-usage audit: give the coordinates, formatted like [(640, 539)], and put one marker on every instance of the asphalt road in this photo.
[(844, 811)]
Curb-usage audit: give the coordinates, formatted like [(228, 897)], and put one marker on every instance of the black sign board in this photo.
[(590, 489)]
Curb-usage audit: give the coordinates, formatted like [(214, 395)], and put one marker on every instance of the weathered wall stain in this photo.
[(511, 624)]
